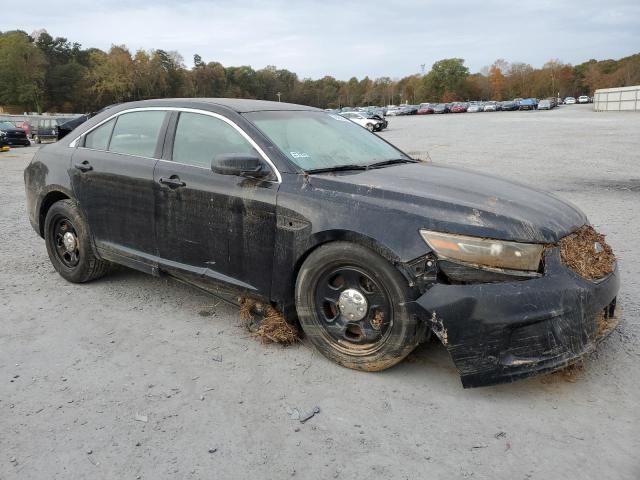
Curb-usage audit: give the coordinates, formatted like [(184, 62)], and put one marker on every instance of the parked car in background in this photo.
[(544, 104), (527, 104), (394, 112), (371, 124), (441, 108), (46, 130), (13, 135), (474, 108), (409, 109), (459, 107), (24, 125), (583, 99), (425, 109), (376, 115), (491, 106), (4, 145), (509, 105), (569, 101)]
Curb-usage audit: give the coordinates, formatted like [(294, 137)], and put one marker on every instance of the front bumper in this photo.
[(502, 332)]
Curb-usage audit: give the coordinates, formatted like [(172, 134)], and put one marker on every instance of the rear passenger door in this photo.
[(112, 178)]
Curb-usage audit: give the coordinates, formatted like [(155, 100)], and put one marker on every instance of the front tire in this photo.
[(370, 127), (354, 307), (69, 244)]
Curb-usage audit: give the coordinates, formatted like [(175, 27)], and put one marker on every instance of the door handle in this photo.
[(172, 182), (84, 166)]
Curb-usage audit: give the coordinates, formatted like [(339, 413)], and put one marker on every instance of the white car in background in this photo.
[(491, 106), (569, 101), (583, 99), (371, 124)]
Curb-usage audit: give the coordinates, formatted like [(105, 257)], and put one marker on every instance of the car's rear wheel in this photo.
[(69, 244), (354, 306)]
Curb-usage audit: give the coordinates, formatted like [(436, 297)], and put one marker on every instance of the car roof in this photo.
[(239, 105)]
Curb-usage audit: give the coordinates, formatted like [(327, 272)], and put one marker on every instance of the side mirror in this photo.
[(242, 165)]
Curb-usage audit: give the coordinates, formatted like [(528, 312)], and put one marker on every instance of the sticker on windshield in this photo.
[(300, 155), (339, 117)]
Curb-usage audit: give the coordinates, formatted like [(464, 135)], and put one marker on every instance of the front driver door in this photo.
[(213, 226)]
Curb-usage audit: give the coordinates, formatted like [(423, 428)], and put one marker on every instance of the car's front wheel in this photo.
[(69, 245), (370, 127), (354, 306)]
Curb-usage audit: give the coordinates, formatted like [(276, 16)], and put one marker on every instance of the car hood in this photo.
[(459, 201)]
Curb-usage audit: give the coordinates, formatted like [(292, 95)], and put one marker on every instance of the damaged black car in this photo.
[(370, 250)]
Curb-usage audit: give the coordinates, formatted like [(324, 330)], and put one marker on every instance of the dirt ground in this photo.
[(138, 377)]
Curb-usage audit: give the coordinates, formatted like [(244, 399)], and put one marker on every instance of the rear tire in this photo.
[(385, 334), (69, 244)]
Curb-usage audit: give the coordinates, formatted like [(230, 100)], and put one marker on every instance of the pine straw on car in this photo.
[(273, 328), (579, 253)]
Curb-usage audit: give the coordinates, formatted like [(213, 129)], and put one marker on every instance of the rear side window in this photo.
[(137, 133), (98, 139), (199, 138)]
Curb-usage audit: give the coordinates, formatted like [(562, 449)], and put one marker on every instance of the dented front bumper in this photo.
[(502, 332)]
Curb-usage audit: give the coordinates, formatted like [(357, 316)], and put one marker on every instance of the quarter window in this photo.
[(200, 138), (98, 139), (137, 133)]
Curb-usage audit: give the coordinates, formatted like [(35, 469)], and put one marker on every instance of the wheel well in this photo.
[(49, 199)]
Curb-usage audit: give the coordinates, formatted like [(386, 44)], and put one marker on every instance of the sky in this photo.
[(346, 38)]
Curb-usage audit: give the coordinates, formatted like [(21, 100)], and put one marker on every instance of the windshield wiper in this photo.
[(337, 168), (393, 161)]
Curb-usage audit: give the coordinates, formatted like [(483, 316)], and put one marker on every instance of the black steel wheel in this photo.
[(354, 306), (69, 245), (66, 242)]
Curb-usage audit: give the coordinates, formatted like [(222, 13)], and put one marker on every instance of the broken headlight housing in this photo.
[(485, 252)]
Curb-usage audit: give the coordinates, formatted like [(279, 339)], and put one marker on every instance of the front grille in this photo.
[(586, 253)]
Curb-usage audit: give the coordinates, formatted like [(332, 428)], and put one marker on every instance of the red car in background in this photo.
[(425, 109), (459, 108)]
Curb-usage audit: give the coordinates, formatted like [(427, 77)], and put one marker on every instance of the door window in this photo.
[(98, 139), (137, 133), (200, 138)]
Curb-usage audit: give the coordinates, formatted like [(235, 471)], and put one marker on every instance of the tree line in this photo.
[(42, 73)]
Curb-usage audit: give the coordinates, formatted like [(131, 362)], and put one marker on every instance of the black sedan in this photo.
[(13, 135), (370, 250)]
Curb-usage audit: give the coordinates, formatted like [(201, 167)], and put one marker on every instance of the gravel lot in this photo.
[(139, 377)]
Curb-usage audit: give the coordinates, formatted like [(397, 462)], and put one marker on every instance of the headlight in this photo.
[(484, 251), (3, 134)]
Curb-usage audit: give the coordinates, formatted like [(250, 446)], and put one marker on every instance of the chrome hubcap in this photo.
[(353, 304), (69, 241)]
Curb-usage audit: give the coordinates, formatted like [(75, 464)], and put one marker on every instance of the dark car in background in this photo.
[(13, 135), (369, 249), (45, 129), (409, 109), (24, 125), (441, 108), (527, 104), (509, 106)]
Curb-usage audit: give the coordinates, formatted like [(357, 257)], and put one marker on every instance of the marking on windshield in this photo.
[(300, 155)]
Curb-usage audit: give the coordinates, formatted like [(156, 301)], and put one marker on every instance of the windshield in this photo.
[(317, 140), (7, 125)]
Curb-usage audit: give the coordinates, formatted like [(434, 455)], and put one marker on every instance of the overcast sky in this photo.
[(345, 38)]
